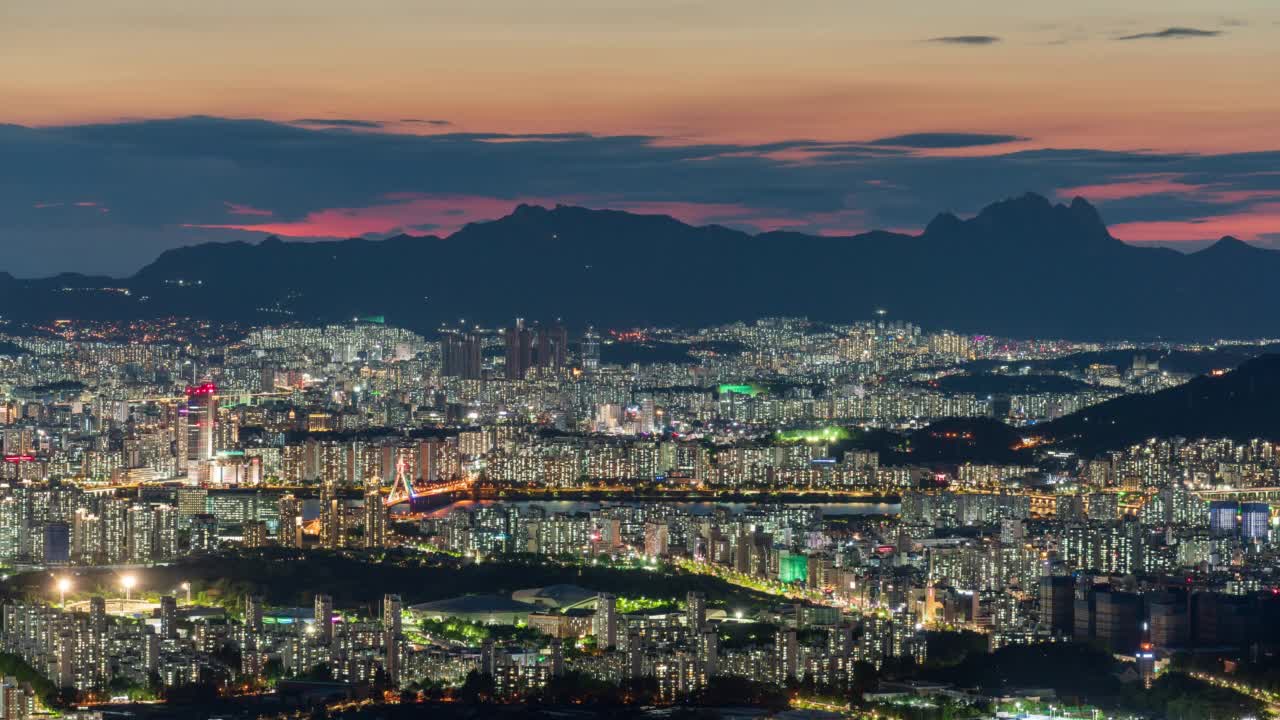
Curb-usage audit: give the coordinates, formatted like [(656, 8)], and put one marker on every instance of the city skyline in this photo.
[(783, 514), (547, 359)]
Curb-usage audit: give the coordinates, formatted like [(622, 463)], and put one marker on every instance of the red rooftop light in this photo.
[(205, 389)]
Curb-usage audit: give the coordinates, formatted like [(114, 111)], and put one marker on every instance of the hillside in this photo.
[(1241, 405)]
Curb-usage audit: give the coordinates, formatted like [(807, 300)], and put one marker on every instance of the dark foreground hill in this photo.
[(1241, 405), (1021, 267)]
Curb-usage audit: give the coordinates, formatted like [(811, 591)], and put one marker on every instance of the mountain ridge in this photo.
[(1023, 266)]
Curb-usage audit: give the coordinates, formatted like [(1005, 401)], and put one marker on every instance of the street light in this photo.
[(64, 584), (187, 587), (127, 582)]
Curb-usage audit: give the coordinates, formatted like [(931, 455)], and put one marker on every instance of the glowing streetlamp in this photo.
[(186, 586), (127, 582), (64, 584)]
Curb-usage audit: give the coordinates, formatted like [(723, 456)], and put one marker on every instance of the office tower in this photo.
[(255, 534), (519, 342), (56, 545), (253, 611), (1222, 517), (201, 406), (785, 655), (204, 533), (460, 354), (695, 611), (391, 636), (289, 531), (1167, 621), (168, 616), (375, 514), (590, 350), (324, 618), (605, 623), (1110, 617), (1254, 521), (1057, 602)]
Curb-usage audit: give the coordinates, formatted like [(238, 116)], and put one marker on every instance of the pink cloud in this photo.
[(444, 214), (1251, 224), (88, 204), (80, 204), (401, 212), (238, 209), (1131, 187), (1163, 184)]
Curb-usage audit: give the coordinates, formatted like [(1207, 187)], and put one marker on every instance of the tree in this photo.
[(477, 688)]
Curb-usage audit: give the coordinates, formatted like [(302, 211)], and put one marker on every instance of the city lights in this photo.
[(128, 582)]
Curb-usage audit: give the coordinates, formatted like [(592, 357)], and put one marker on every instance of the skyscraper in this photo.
[(391, 630), (590, 350), (201, 406), (168, 616), (552, 346), (289, 531), (519, 342), (605, 623), (1255, 518), (375, 514), (709, 654), (785, 652), (460, 354), (1057, 603), (1222, 517), (324, 618), (333, 530), (696, 610), (253, 613)]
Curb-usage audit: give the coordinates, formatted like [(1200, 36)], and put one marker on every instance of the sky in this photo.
[(131, 126)]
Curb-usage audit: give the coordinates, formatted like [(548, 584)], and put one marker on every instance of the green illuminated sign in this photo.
[(793, 568), (748, 390), (815, 435)]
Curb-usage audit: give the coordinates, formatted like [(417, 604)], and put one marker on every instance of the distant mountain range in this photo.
[(1022, 267)]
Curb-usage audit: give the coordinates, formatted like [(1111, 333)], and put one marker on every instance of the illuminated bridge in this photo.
[(425, 495), (1251, 494)]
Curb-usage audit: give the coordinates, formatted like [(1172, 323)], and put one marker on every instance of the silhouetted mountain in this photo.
[(1240, 405), (1021, 267)]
